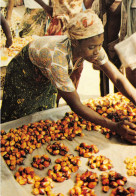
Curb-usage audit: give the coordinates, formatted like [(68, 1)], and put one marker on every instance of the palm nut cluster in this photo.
[(25, 175), (101, 162), (41, 162), (85, 184), (86, 150), (57, 148), (131, 166), (64, 167), (43, 186), (112, 179), (121, 191)]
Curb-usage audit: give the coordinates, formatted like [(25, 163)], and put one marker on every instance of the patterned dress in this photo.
[(35, 19), (35, 74), (67, 7), (128, 18), (62, 11)]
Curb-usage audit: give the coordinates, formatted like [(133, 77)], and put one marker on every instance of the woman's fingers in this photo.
[(130, 138), (130, 124), (131, 141), (127, 131)]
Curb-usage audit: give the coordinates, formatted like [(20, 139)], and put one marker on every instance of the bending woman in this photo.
[(43, 68)]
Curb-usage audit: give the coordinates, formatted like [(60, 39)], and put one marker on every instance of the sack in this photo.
[(126, 51)]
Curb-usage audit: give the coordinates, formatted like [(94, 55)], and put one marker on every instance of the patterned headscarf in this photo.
[(84, 25)]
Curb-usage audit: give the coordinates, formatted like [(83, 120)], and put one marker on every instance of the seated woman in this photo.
[(43, 68)]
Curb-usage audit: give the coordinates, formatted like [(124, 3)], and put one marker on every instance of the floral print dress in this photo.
[(35, 19), (63, 10), (34, 22)]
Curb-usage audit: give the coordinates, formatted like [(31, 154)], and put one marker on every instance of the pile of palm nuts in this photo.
[(86, 150), (85, 184), (115, 107), (122, 191), (57, 148), (25, 175), (131, 166), (41, 186), (19, 142), (112, 179), (64, 167), (101, 162), (41, 162)]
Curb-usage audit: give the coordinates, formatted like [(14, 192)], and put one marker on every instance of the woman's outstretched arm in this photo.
[(121, 128), (120, 81)]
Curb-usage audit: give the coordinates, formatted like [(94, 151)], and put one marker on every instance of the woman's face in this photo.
[(89, 48)]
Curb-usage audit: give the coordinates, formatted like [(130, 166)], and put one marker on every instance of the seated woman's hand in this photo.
[(127, 131)]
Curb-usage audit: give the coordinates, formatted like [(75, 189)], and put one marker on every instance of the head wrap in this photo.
[(84, 25)]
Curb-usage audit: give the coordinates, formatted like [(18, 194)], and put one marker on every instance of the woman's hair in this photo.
[(80, 40), (76, 43)]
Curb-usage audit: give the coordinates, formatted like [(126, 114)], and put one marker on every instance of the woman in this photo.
[(43, 68), (59, 13)]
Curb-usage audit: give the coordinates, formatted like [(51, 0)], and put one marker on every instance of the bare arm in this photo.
[(73, 100), (6, 31), (88, 3), (9, 10), (46, 7), (120, 81)]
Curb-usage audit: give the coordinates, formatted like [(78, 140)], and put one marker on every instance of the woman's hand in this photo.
[(8, 42), (127, 131)]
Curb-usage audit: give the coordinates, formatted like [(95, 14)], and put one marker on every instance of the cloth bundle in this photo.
[(126, 51)]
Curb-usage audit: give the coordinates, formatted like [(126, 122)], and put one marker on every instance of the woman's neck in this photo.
[(75, 53)]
